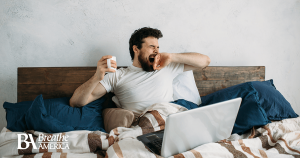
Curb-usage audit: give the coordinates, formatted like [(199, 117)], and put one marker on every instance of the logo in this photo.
[(52, 141)]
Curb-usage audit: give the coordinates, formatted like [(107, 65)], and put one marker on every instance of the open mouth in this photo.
[(151, 57)]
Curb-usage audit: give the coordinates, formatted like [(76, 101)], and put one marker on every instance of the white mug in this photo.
[(109, 64)]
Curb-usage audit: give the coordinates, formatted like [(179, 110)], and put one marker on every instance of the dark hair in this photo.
[(137, 37)]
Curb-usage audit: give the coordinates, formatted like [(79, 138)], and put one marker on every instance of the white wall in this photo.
[(41, 33)]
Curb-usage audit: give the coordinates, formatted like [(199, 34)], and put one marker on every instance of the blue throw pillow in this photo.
[(14, 112), (187, 104), (88, 117), (250, 113), (273, 102), (38, 119)]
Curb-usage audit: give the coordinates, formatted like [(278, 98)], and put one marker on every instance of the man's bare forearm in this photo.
[(83, 92), (193, 59)]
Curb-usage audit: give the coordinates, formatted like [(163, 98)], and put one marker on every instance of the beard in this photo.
[(144, 63)]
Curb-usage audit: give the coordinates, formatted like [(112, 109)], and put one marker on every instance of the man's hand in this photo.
[(102, 67), (161, 60)]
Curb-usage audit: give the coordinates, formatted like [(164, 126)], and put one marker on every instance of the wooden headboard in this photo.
[(54, 82)]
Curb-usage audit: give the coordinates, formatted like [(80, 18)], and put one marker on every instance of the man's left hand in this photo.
[(161, 60)]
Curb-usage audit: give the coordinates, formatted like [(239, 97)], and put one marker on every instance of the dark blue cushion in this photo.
[(187, 104), (250, 113), (37, 118), (14, 112), (272, 101), (88, 117)]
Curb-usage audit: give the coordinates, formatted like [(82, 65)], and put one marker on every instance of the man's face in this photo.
[(149, 47)]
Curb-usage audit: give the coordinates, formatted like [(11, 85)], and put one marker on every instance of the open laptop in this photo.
[(189, 129)]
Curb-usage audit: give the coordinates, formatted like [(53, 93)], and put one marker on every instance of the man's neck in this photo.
[(136, 63)]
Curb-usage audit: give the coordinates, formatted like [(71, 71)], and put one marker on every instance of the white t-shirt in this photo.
[(137, 89)]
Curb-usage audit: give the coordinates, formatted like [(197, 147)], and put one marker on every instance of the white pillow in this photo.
[(184, 87)]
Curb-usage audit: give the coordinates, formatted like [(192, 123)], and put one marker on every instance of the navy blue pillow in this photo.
[(250, 113), (187, 104), (38, 119), (273, 102), (14, 112), (88, 117)]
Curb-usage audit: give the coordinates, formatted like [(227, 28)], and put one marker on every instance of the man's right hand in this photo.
[(102, 67)]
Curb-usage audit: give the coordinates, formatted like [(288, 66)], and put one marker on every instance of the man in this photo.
[(145, 82)]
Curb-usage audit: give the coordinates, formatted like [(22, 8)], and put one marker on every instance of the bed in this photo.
[(279, 138)]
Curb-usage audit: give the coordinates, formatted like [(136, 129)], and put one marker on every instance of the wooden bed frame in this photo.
[(54, 82)]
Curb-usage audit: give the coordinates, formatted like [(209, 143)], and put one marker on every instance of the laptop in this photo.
[(189, 129)]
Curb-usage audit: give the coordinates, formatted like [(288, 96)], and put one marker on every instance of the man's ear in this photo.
[(135, 50)]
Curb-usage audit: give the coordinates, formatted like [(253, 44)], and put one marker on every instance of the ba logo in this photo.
[(51, 141), (26, 142)]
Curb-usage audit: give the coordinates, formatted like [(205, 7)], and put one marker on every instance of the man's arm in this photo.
[(87, 92), (92, 89), (191, 61)]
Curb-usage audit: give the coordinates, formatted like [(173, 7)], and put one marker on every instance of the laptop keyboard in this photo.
[(157, 143)]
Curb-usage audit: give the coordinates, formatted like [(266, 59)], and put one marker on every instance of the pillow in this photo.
[(117, 117), (88, 117), (187, 104), (250, 113), (273, 102), (184, 87), (14, 111), (37, 118)]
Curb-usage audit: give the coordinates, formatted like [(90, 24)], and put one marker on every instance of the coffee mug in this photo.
[(109, 64)]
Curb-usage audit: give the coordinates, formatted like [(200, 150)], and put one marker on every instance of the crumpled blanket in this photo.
[(277, 139)]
